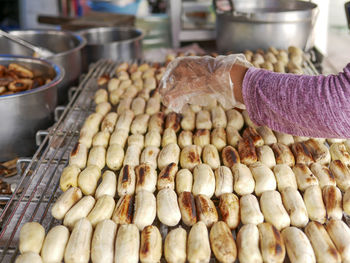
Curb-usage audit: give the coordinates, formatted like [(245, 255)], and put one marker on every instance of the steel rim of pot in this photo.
[(109, 29), (81, 39), (55, 81)]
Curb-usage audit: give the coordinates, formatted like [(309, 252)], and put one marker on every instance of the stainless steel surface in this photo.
[(261, 24), (115, 43), (40, 51), (23, 113), (67, 46), (38, 187)]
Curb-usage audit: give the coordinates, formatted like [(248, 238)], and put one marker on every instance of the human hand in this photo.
[(198, 80)]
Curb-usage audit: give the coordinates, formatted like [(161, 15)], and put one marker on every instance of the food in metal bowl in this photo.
[(16, 78)]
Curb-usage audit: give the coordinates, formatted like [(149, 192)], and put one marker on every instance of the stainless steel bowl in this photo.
[(24, 113), (68, 47), (115, 43), (260, 24)]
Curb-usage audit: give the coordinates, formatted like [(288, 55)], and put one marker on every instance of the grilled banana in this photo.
[(247, 152), (204, 180), (108, 185), (31, 237), (146, 178), (166, 177), (190, 156), (304, 176), (322, 244), (114, 157), (283, 154), (338, 152), (102, 245), (127, 244), (78, 246), (339, 232), (298, 246), (126, 181), (184, 139), (341, 173), (169, 136), (267, 135), (250, 210), (230, 156), (234, 119), (54, 244), (169, 154), (145, 209), (294, 204), (175, 246), (168, 210), (78, 211), (183, 180), (248, 244), (218, 138), (319, 151), (203, 120), (102, 210), (132, 155), (285, 177), (211, 156), (229, 210), (223, 181), (271, 243), (198, 247), (69, 177), (266, 156), (222, 243), (97, 156), (149, 156), (78, 156), (314, 204), (65, 202), (273, 210), (323, 175), (264, 178), (187, 208), (151, 245), (243, 179), (332, 199), (201, 137), (88, 178), (301, 153), (206, 210)]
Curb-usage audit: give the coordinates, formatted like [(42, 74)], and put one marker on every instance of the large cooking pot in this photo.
[(115, 43), (263, 23), (24, 113), (68, 47)]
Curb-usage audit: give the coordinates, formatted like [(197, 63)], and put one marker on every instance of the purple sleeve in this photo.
[(315, 106)]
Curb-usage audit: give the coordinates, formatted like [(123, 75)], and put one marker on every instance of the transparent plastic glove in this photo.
[(198, 80)]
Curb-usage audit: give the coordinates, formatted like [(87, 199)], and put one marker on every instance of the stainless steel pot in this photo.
[(24, 113), (115, 43), (68, 47), (260, 24)]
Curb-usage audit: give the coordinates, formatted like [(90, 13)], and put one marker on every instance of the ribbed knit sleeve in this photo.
[(315, 106)]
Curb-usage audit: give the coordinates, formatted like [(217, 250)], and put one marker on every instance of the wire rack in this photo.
[(38, 184)]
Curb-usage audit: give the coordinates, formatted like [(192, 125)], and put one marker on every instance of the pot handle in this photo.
[(313, 22), (347, 12)]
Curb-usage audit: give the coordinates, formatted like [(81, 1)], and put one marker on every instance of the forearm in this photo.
[(315, 106)]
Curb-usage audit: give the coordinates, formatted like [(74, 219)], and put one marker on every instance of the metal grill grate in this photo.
[(37, 188)]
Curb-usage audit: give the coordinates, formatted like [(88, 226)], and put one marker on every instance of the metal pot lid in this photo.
[(270, 11)]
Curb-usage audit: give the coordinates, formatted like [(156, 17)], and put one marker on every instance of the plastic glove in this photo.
[(198, 80)]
